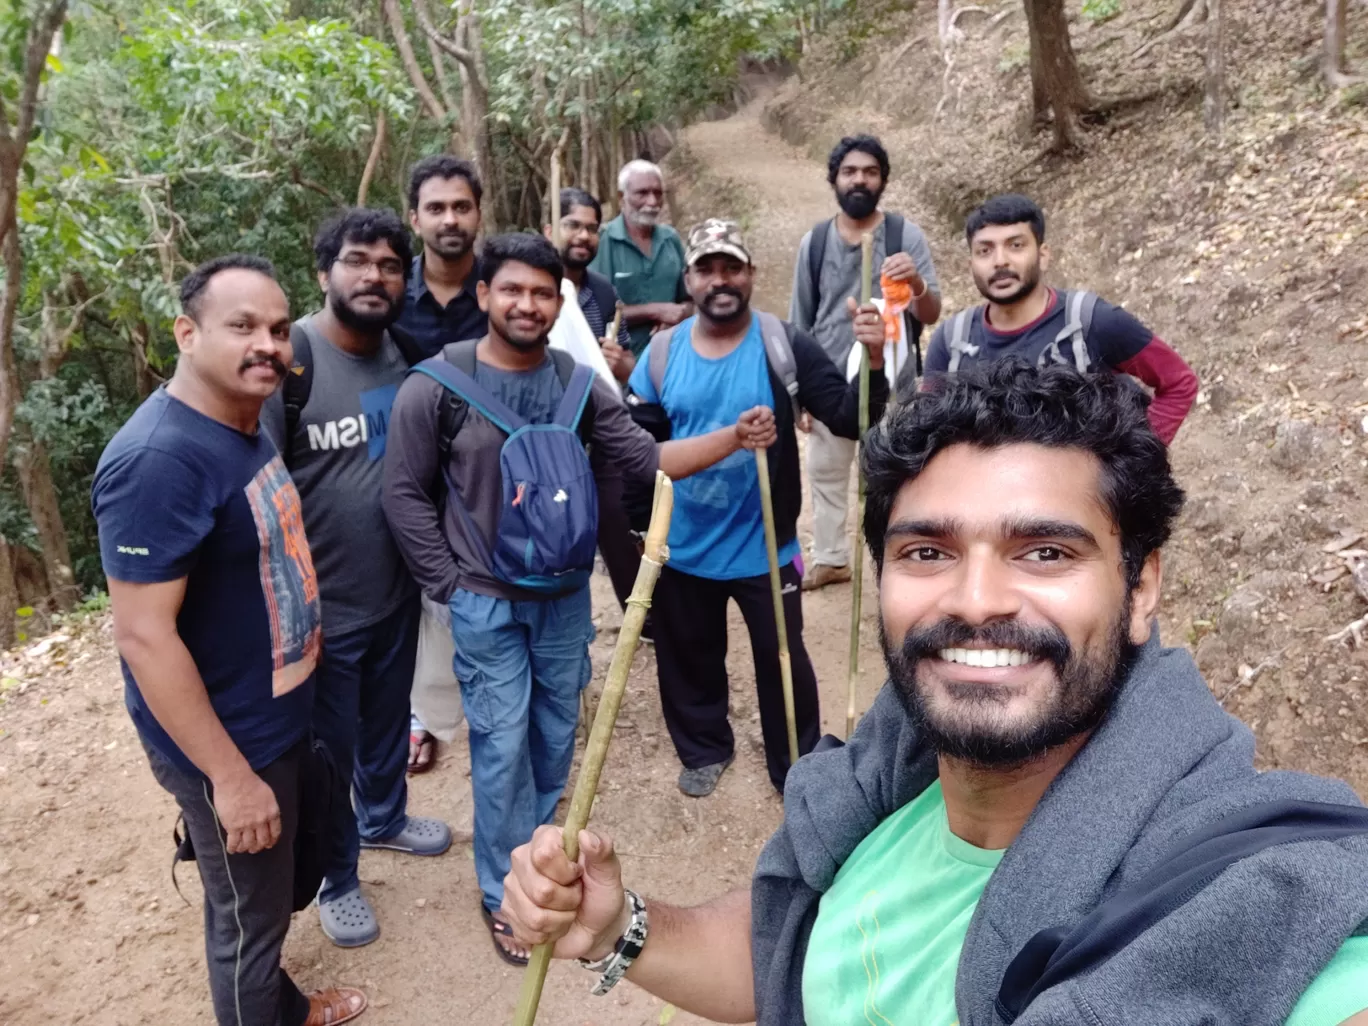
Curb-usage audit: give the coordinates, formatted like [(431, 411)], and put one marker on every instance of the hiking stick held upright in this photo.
[(586, 784), (777, 591), (857, 539)]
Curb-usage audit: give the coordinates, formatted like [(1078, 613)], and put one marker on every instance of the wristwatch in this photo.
[(615, 964)]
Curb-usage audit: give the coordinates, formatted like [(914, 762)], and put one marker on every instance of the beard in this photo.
[(576, 263), (451, 244), (966, 721), (709, 301), (859, 202), (521, 334), (1028, 281), (362, 320), (643, 218)]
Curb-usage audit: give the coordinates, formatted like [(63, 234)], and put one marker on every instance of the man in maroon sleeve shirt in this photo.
[(1027, 319)]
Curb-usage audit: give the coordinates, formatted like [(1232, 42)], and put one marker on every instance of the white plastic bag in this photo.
[(571, 334), (895, 353)]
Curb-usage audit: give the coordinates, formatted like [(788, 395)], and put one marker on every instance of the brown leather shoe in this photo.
[(821, 575), (334, 1006)]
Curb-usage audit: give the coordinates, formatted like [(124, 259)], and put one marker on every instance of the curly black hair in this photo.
[(863, 143), (365, 225), (1008, 402)]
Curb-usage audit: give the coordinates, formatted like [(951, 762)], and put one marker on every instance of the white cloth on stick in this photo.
[(895, 352)]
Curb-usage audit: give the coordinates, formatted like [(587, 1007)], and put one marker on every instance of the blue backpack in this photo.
[(547, 530)]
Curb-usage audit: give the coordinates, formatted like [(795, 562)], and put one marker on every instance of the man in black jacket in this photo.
[(725, 359)]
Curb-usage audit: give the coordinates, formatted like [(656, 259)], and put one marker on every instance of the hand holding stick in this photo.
[(586, 784), (857, 540)]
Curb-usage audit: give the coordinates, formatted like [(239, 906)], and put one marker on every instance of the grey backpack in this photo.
[(1078, 314), (778, 348)]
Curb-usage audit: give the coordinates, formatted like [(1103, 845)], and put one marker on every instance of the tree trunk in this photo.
[(404, 45), (35, 478), (1336, 72), (9, 597), (1213, 105), (1055, 78), (377, 147)]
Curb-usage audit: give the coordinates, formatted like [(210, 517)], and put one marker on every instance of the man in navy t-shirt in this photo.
[(716, 367), (1026, 319), (216, 617)]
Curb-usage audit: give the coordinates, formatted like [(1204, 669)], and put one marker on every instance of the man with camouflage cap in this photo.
[(725, 359)]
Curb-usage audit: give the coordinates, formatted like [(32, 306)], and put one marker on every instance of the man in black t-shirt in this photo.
[(1029, 320), (216, 618)]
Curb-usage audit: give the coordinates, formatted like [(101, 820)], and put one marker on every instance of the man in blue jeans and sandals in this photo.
[(450, 493), (216, 618), (329, 421)]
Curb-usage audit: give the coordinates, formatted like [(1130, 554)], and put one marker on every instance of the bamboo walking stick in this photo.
[(857, 541), (616, 326), (777, 591), (586, 784)]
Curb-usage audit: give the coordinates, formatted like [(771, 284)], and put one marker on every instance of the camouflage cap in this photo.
[(715, 235)]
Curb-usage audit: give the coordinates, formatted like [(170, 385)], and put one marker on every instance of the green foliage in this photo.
[(1101, 10)]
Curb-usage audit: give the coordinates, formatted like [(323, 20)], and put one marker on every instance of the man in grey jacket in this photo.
[(522, 656), (1045, 818)]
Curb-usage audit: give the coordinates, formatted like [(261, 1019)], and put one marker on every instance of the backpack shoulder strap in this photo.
[(576, 397), (957, 338), (298, 385), (657, 359), (816, 250), (1074, 332), (893, 234), (454, 379), (779, 351)]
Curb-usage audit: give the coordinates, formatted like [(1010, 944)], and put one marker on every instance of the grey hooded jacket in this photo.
[(1166, 762)]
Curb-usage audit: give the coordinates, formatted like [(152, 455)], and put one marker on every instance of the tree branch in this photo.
[(44, 26), (371, 161), (395, 18), (298, 178), (450, 46)]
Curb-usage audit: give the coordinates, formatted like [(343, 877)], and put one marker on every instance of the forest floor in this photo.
[(1246, 256)]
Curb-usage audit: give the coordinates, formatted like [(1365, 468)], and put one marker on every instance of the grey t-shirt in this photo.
[(533, 395), (825, 316), (336, 463)]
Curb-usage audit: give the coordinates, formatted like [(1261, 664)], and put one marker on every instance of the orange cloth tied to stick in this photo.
[(897, 297)]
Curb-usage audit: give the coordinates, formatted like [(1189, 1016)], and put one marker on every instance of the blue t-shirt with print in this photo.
[(180, 495), (717, 530)]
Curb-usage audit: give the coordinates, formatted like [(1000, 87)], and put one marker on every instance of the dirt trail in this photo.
[(93, 930)]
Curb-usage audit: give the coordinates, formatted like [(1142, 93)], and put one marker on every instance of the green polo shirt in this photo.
[(638, 278)]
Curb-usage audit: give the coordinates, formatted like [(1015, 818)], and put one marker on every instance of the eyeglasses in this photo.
[(571, 227), (389, 267)]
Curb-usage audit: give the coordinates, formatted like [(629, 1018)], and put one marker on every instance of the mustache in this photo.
[(724, 290), (373, 290), (272, 361), (1004, 276), (1042, 642)]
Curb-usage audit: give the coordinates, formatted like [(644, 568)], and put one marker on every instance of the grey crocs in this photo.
[(420, 836), (349, 921), (701, 782)]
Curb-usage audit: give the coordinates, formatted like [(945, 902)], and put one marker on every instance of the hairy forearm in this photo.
[(171, 685), (699, 959), (686, 456)]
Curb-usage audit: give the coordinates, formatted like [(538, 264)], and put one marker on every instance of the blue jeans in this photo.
[(361, 712), (521, 666)]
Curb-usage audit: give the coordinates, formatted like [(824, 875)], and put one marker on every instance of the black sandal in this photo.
[(498, 928)]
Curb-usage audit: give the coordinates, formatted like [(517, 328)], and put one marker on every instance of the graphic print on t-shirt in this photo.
[(370, 426), (288, 582)]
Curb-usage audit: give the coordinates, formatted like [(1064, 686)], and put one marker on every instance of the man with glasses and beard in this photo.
[(1029, 320), (1045, 818), (643, 258), (330, 421), (825, 277), (702, 374)]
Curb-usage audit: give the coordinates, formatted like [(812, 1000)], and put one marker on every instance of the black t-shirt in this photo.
[(178, 494), (1113, 338)]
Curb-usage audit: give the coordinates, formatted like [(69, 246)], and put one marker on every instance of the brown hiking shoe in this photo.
[(821, 575)]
